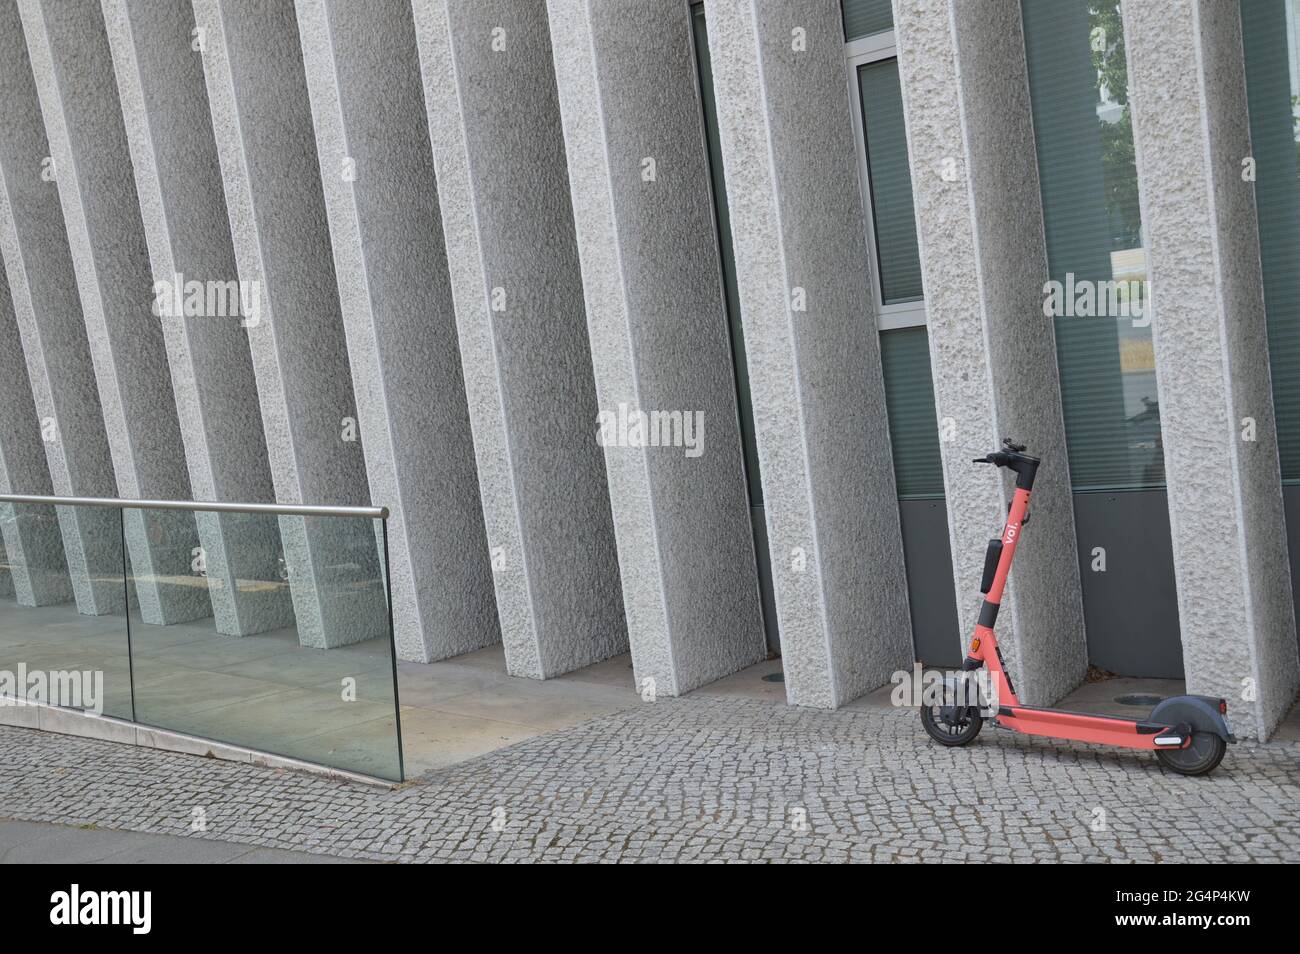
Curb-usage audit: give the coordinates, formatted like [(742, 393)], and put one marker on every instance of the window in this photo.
[(909, 403), (1078, 84), (898, 306), (866, 18), (897, 309), (893, 217), (1270, 31)]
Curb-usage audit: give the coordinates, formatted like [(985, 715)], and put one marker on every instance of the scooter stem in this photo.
[(984, 644)]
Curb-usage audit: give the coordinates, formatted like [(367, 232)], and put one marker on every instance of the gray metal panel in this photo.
[(926, 552), (758, 522), (1131, 608), (1291, 504)]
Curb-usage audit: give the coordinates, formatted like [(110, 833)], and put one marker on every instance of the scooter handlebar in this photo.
[(1014, 457)]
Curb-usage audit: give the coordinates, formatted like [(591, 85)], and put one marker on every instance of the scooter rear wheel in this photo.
[(1199, 758), (951, 725)]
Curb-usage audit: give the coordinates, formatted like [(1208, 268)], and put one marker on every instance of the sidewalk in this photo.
[(704, 778), (41, 843)]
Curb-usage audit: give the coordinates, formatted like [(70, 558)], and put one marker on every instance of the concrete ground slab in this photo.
[(435, 739), (750, 683), (615, 671)]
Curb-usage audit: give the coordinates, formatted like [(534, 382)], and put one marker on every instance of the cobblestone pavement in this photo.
[(697, 779)]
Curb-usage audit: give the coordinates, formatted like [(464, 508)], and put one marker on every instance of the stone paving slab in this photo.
[(697, 779)]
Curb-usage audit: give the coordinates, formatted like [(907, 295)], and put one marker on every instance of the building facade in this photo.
[(672, 327)]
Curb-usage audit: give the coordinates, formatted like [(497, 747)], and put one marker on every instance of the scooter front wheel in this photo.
[(1201, 757), (952, 725)]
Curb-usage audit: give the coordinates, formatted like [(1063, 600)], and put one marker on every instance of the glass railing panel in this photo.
[(63, 625), (270, 633)]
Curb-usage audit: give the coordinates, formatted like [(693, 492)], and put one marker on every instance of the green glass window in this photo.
[(909, 403), (1078, 84), (892, 213), (865, 17), (1269, 38), (904, 352)]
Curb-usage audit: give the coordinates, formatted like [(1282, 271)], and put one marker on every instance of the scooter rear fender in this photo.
[(1200, 712)]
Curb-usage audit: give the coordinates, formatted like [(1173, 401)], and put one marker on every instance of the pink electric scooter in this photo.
[(1189, 734)]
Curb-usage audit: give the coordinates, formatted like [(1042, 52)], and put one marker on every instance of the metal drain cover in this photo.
[(1138, 699), (774, 677)]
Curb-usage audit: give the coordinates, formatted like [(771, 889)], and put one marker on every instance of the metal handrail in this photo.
[(287, 510)]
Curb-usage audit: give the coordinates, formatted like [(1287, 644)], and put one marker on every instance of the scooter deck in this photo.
[(1083, 727)]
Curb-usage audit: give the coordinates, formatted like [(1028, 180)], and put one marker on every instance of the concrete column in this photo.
[(6, 576), (814, 355), (984, 264), (372, 137), (83, 121), (33, 549), (1191, 130), (656, 314), (44, 293), (498, 153), (169, 130), (261, 118)]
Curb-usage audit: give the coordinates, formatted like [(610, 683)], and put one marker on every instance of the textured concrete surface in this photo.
[(983, 263), (33, 547), (658, 327), (169, 131), (376, 167), (1191, 130), (498, 151), (6, 576), (698, 779), (73, 68), (43, 289), (818, 395), (266, 146)]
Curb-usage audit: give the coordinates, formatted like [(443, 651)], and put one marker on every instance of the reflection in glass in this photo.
[(1078, 81), (866, 17), (320, 688), (897, 254), (909, 402), (63, 628), (1270, 34)]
